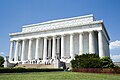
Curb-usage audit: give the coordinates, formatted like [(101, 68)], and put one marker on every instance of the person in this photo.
[(46, 62), (13, 59), (51, 61)]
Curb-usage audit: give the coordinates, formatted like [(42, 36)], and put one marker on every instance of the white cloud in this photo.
[(2, 53), (115, 58), (115, 44)]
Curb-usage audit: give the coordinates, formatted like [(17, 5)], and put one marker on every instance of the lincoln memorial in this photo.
[(63, 38)]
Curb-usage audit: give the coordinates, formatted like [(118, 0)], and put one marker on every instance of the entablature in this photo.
[(56, 32), (80, 26)]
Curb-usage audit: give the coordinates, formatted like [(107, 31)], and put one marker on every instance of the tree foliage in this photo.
[(1, 61), (86, 61), (91, 61), (106, 62)]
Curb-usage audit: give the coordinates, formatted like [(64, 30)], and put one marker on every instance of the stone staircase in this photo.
[(35, 66)]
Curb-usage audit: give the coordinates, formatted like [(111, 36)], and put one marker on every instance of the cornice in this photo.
[(59, 20), (67, 25)]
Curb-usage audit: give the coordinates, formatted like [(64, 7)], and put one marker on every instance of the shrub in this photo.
[(1, 61), (106, 62), (86, 61), (92, 61)]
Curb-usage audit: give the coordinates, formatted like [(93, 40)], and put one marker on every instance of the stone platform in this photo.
[(35, 66)]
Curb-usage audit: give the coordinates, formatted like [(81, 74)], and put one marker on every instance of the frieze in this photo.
[(56, 31), (57, 25)]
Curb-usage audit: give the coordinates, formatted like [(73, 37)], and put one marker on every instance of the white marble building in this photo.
[(65, 37)]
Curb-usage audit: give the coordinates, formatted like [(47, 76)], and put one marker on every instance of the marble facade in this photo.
[(63, 37)]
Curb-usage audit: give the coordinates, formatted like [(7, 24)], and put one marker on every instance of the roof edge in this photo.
[(58, 20)]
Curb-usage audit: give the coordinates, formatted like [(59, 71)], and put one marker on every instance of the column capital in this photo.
[(31, 39), (90, 31), (19, 40), (38, 38), (49, 39), (80, 32), (11, 40), (54, 36), (24, 39), (58, 37), (99, 30), (45, 37), (72, 34), (62, 35)]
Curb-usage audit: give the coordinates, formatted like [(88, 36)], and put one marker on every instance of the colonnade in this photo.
[(55, 46)]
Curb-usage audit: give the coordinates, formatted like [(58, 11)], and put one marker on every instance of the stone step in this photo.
[(35, 66)]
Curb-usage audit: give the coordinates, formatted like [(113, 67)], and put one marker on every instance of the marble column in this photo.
[(45, 49), (58, 46), (16, 51), (62, 46), (30, 50), (100, 43), (20, 50), (23, 50), (49, 48), (11, 51), (37, 52), (71, 46), (81, 43), (108, 49), (91, 43), (54, 47)]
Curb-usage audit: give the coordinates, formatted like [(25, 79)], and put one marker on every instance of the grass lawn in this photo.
[(58, 76)]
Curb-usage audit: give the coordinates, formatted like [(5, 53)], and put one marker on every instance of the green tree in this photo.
[(92, 61), (106, 62), (86, 61), (1, 61)]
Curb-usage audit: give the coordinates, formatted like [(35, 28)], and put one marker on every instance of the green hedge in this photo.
[(20, 70), (92, 61), (86, 61), (1, 61)]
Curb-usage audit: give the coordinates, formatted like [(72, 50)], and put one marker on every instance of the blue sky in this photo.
[(16, 13)]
